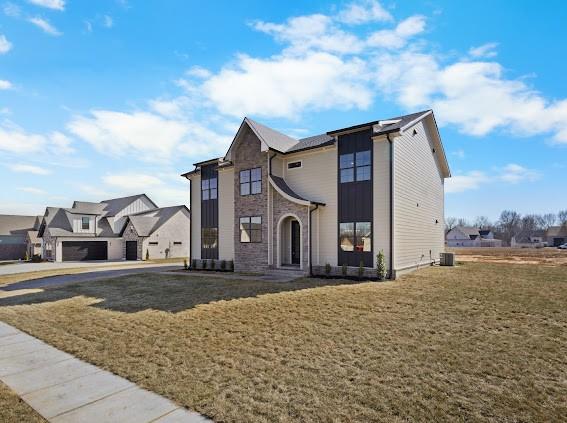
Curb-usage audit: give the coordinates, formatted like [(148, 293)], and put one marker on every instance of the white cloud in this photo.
[(510, 174), (5, 85), (460, 153), (45, 26), (32, 190), (25, 168), (364, 11), (107, 21), (285, 86), (484, 51), (50, 4), (514, 173), (15, 140), (60, 143), (5, 45), (12, 10), (470, 181), (398, 37), (312, 32), (199, 72), (132, 181)]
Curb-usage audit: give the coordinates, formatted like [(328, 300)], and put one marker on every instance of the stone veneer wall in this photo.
[(247, 154), (130, 234), (282, 207)]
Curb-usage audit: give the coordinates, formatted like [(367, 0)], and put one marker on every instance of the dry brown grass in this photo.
[(13, 409), (548, 256), (479, 342)]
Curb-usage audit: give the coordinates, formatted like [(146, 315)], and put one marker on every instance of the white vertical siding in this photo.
[(196, 216), (381, 199), (140, 205), (226, 214), (317, 180), (418, 201), (78, 224)]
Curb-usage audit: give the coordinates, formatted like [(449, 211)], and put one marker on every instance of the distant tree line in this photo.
[(512, 223)]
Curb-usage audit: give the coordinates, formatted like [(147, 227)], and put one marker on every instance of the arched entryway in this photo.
[(289, 242)]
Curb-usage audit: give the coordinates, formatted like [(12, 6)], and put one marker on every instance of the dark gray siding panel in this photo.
[(209, 211), (355, 198)]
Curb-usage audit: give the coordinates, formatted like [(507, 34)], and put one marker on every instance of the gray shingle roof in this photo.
[(147, 222), (320, 140), (18, 225), (273, 138)]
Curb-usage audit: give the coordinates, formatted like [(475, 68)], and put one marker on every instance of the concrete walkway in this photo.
[(63, 388)]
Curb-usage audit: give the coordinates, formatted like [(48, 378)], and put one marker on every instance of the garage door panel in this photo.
[(85, 250)]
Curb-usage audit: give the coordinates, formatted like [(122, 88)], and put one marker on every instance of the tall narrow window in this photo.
[(209, 189), (209, 237), (85, 223), (363, 165), (251, 229), (346, 163), (251, 181), (346, 236)]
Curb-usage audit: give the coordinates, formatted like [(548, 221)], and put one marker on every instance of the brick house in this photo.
[(274, 202)]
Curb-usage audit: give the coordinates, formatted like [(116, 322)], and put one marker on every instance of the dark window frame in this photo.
[(206, 243), (208, 192), (250, 231), (153, 243), (177, 243), (250, 183), (88, 220), (356, 170), (355, 237), (295, 165)]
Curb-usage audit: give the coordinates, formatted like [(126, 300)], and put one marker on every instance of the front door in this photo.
[(131, 250), (295, 242)]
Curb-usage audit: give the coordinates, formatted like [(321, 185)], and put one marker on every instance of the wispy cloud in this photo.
[(107, 21), (5, 45), (26, 168), (45, 26), (50, 4), (487, 50), (12, 10), (511, 173), (32, 190), (5, 85), (361, 12)]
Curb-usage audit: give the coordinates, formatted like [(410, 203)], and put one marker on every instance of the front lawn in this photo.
[(479, 342), (14, 409)]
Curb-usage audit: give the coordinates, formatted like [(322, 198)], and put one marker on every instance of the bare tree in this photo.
[(482, 222), (529, 224), (545, 221), (462, 222), (509, 224), (562, 217), (450, 223)]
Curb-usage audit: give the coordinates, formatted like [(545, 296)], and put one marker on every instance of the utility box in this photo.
[(447, 259)]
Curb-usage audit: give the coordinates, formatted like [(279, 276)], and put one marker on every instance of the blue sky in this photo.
[(109, 98)]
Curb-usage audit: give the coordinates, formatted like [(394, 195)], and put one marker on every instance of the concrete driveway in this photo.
[(51, 281), (24, 267)]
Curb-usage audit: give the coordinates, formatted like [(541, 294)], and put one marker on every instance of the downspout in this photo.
[(311, 240), (391, 205), (190, 221), (270, 216)]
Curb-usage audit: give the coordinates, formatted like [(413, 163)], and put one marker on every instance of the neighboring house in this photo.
[(94, 231), (467, 236), (536, 239), (13, 235), (33, 243), (159, 233), (339, 198), (556, 235)]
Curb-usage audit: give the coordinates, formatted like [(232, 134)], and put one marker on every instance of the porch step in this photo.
[(286, 273)]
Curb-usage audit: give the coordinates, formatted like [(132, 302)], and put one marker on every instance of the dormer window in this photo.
[(85, 223)]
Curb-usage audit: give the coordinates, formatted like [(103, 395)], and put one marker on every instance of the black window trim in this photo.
[(209, 189), (250, 222), (153, 243), (88, 219), (203, 238), (354, 237), (355, 167), (250, 181), (295, 162)]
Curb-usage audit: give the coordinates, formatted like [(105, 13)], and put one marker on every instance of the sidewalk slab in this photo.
[(129, 406), (53, 374), (31, 361), (63, 388), (62, 398)]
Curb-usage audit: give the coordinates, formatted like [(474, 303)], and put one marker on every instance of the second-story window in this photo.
[(355, 166), (251, 181), (85, 223), (209, 189)]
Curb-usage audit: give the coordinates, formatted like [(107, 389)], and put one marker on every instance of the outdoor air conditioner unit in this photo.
[(447, 259)]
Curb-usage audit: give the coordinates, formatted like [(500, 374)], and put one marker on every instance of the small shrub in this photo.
[(360, 269), (223, 265), (36, 258), (231, 265), (327, 269), (147, 254), (344, 270), (213, 264), (185, 265), (27, 257), (380, 266), (193, 264), (167, 253)]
